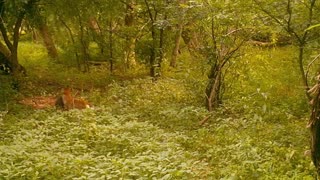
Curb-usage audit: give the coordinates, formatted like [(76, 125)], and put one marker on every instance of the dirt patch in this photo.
[(39, 102)]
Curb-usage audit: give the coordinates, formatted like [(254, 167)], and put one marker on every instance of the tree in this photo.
[(36, 18), (87, 24), (297, 19), (129, 21), (314, 120), (158, 20), (180, 11), (183, 15), (294, 17), (45, 33), (12, 15), (223, 35)]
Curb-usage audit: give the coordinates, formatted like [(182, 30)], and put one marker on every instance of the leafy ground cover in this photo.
[(142, 129)]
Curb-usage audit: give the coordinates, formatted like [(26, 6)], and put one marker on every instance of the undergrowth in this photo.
[(145, 129)]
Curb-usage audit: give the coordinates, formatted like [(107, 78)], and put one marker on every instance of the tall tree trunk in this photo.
[(111, 45), (73, 42), (161, 43), (5, 57), (129, 54), (190, 38), (214, 88), (175, 52), (12, 47), (47, 40), (44, 31), (84, 45), (302, 71), (4, 50), (153, 54), (85, 53), (16, 67), (314, 124), (98, 34)]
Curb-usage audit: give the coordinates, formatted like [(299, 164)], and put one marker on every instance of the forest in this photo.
[(159, 89)]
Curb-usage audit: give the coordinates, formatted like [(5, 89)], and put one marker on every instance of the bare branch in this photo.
[(205, 119), (310, 64)]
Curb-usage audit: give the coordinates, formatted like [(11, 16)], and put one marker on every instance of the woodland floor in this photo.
[(139, 128)]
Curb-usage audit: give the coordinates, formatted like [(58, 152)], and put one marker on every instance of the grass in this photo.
[(141, 129)]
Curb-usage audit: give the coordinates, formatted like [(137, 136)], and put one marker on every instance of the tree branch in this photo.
[(3, 30), (149, 11)]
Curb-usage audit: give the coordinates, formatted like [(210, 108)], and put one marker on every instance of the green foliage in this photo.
[(248, 148), (144, 128), (73, 145), (140, 129), (43, 71), (268, 81), (8, 91)]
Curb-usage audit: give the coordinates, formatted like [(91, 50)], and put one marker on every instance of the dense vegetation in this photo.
[(178, 89)]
